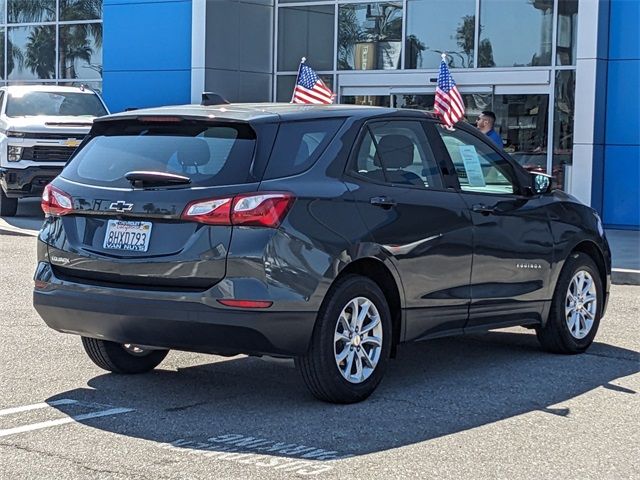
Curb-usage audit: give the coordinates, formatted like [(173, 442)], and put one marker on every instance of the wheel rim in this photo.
[(357, 341), (135, 350), (581, 304)]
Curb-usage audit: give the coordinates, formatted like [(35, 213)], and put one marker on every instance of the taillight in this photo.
[(266, 209), (55, 201), (216, 211)]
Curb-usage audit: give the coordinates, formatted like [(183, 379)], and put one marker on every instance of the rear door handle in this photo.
[(384, 202), (483, 209)]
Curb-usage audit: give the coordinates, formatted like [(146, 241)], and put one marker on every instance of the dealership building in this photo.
[(562, 76)]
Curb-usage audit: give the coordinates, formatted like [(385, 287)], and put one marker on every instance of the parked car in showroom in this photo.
[(329, 234), (40, 127)]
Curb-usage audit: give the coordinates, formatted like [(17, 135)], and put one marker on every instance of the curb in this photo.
[(625, 276), (18, 232)]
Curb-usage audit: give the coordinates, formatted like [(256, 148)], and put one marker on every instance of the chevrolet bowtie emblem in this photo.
[(121, 206)]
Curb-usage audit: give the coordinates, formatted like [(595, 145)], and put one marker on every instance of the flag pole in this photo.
[(293, 94)]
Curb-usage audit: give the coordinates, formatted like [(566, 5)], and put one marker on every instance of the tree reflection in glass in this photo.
[(31, 52), (81, 51), (71, 10), (453, 33), (31, 11), (370, 36)]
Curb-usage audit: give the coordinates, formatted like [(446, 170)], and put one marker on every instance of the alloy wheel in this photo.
[(358, 340), (581, 304)]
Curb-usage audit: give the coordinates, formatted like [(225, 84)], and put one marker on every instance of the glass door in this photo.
[(522, 120)]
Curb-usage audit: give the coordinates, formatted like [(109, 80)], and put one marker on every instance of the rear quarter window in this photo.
[(299, 144), (209, 154)]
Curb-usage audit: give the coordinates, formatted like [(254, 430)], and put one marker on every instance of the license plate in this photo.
[(124, 235)]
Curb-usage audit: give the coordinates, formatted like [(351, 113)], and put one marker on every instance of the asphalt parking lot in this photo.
[(484, 406)]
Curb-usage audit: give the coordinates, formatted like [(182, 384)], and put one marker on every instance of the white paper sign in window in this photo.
[(472, 166)]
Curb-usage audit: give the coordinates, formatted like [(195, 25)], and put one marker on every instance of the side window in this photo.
[(299, 144), (479, 167), (397, 152)]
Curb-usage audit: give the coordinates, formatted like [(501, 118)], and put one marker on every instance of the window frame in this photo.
[(519, 174), (351, 171)]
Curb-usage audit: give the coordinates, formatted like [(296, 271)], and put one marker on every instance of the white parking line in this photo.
[(37, 406), (59, 421)]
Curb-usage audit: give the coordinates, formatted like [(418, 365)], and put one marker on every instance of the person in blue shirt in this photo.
[(485, 122)]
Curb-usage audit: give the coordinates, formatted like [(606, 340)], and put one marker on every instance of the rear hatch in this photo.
[(117, 210)]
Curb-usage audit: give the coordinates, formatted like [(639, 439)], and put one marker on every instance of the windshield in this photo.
[(209, 154), (29, 104)]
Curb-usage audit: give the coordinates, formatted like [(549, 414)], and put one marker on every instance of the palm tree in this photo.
[(75, 40), (74, 45), (40, 55)]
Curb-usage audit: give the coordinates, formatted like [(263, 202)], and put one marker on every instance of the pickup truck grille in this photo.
[(46, 153)]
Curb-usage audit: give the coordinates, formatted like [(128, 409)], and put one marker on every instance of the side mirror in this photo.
[(541, 183)]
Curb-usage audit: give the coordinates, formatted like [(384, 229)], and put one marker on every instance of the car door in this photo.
[(512, 239), (424, 228)]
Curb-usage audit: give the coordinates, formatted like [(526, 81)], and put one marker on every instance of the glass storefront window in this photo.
[(563, 126), (370, 36), (522, 122), (371, 100), (567, 32), (475, 103), (32, 52), (80, 10), (515, 33), (81, 51), (2, 73), (3, 4), (453, 33), (285, 84), (31, 11), (305, 32)]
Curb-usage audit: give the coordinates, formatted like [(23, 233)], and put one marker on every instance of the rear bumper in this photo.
[(27, 182), (111, 314)]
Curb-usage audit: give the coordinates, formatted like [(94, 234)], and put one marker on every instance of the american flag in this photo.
[(309, 88), (449, 104)]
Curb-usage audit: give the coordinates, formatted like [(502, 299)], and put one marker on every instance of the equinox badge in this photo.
[(121, 206)]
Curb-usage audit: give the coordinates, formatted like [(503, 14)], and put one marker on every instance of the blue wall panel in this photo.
[(622, 178), (623, 118), (621, 169), (624, 39), (147, 53)]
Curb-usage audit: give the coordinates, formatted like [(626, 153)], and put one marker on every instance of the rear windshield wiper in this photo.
[(141, 179)]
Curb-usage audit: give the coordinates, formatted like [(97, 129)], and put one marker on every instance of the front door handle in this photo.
[(384, 202), (483, 209)]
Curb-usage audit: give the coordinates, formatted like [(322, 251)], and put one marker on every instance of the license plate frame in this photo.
[(127, 235)]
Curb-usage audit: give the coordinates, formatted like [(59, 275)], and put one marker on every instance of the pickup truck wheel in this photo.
[(122, 358), (8, 206), (351, 343)]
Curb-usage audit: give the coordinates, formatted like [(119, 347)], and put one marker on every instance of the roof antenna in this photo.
[(211, 98)]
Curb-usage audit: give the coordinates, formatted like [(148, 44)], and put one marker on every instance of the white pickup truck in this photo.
[(40, 128)]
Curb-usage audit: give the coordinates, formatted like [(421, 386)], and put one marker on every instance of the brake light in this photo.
[(265, 209), (55, 201)]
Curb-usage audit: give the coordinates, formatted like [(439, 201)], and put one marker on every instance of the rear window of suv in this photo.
[(55, 104), (299, 144), (209, 154)]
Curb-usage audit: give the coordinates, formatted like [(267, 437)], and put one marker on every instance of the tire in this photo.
[(116, 358), (8, 206), (327, 379), (560, 334)]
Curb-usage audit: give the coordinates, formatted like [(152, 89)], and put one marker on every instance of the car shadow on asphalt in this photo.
[(431, 390)]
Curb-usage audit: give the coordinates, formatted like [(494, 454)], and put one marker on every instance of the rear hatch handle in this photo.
[(141, 179)]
